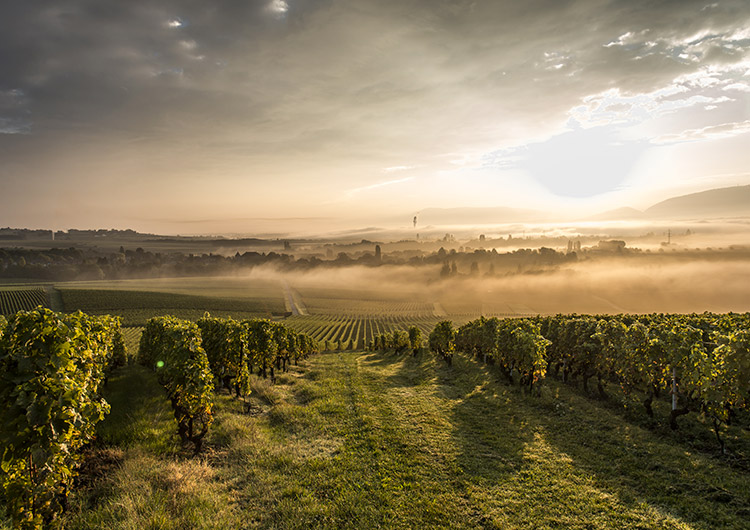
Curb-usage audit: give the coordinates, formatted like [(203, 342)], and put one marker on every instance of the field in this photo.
[(132, 337), (135, 301), (136, 307), (14, 299), (352, 440), (339, 319), (355, 439), (355, 332), (266, 291)]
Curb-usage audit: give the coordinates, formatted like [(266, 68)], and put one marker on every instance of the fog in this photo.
[(604, 267), (648, 284)]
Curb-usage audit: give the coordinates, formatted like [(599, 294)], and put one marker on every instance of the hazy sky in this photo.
[(196, 116)]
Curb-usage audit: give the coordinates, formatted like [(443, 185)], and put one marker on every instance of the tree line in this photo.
[(73, 263)]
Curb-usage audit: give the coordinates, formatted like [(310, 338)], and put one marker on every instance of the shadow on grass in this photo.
[(578, 458), (140, 413), (639, 466), (378, 359), (490, 436), (695, 432)]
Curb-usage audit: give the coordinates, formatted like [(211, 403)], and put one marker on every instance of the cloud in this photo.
[(393, 169), (712, 132), (278, 8), (318, 91), (377, 185), (740, 87), (15, 117)]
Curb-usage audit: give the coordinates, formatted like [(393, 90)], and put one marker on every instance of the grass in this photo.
[(352, 440), (140, 414), (137, 475)]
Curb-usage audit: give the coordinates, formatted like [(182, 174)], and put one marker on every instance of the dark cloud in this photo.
[(77, 59)]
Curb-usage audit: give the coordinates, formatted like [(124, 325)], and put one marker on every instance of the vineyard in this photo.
[(371, 440), (508, 418), (336, 322), (347, 332), (54, 367), (137, 307), (131, 336), (15, 300), (343, 319), (367, 307), (702, 362)]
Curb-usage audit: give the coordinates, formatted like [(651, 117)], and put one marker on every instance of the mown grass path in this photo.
[(374, 441), (365, 440)]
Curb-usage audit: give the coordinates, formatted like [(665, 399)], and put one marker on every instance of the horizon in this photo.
[(615, 221)]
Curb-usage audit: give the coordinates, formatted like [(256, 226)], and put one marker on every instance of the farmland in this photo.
[(136, 307), (13, 299), (373, 440), (131, 336), (346, 319), (355, 439), (135, 301), (354, 332), (337, 318)]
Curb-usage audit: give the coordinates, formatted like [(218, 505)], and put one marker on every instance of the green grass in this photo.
[(137, 476), (140, 413), (352, 440)]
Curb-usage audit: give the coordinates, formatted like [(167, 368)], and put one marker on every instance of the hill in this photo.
[(720, 202), (625, 213)]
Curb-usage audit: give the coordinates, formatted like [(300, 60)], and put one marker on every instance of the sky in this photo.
[(237, 116)]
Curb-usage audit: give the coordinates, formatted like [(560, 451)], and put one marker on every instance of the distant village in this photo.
[(80, 258)]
